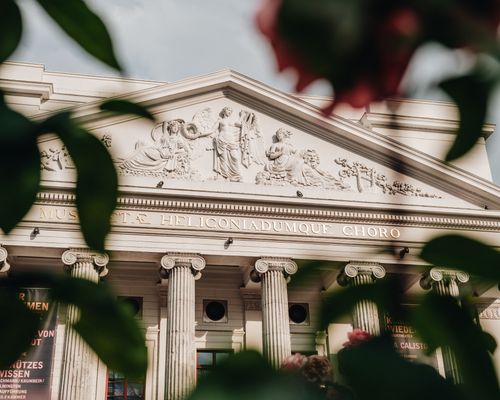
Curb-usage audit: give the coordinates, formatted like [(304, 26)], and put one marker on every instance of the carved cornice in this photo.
[(354, 269), (99, 260), (441, 274), (172, 260), (293, 213), (4, 265), (489, 311)]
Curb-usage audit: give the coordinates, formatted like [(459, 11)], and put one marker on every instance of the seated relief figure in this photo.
[(168, 155), (288, 166)]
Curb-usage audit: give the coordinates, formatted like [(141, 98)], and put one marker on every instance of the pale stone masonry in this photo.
[(246, 184), (80, 362)]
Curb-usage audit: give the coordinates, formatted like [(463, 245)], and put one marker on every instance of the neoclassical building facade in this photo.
[(221, 201)]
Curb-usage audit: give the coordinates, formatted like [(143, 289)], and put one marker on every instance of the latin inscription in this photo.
[(231, 224)]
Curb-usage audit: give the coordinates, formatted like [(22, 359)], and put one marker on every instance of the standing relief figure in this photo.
[(234, 142)]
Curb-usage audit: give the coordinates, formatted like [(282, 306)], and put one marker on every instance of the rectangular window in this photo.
[(207, 360), (120, 388)]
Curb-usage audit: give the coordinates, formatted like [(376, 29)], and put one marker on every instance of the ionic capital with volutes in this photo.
[(182, 260), (4, 265), (72, 257), (435, 275), (285, 265), (355, 269)]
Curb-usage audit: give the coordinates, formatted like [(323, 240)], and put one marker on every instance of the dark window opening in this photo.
[(207, 360), (120, 388), (298, 313)]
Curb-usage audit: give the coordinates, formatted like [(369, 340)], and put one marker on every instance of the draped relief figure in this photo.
[(234, 142), (287, 166), (167, 155)]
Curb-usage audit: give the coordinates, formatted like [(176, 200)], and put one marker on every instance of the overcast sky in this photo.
[(168, 40)]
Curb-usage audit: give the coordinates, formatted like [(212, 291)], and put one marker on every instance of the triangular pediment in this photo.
[(228, 135)]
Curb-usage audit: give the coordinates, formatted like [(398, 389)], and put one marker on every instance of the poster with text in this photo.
[(407, 342), (29, 377)]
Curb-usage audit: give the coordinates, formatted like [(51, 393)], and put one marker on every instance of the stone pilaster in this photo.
[(444, 282), (79, 361), (365, 314), (4, 265), (274, 272), (181, 270)]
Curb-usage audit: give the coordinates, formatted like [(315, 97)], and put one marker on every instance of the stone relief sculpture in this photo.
[(166, 156), (367, 177), (56, 159), (106, 140), (236, 143), (288, 166), (175, 144)]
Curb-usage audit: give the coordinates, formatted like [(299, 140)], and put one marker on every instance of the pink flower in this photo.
[(294, 362), (356, 337), (317, 370)]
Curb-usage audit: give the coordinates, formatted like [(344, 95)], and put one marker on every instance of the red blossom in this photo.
[(368, 62), (267, 22), (357, 336)]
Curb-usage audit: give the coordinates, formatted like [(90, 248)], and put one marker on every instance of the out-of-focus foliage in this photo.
[(363, 47), (96, 194)]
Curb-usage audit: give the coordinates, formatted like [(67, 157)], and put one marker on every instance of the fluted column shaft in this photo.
[(79, 361), (180, 332), (365, 314), (276, 330), (275, 322), (445, 283)]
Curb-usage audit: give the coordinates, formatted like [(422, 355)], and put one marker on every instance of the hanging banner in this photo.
[(407, 342), (29, 377)]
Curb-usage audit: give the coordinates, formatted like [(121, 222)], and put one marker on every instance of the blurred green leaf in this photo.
[(376, 372), (106, 325), (247, 376), (341, 302), (470, 93), (126, 107), (11, 28), (84, 26), (97, 182), (466, 254), (441, 322), (19, 326), (19, 166)]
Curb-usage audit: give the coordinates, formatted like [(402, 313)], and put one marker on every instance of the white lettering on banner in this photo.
[(225, 223)]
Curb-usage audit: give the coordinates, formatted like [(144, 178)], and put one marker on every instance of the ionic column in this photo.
[(274, 272), (365, 313), (4, 265), (181, 270), (79, 361), (444, 282)]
